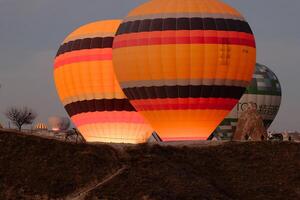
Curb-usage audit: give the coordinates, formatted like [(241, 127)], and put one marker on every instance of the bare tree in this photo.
[(20, 116)]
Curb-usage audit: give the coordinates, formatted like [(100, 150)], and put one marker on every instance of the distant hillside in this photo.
[(32, 166)]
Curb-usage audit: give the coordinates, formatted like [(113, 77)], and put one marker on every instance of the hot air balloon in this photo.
[(87, 87), (184, 64), (265, 92), (59, 123), (41, 127)]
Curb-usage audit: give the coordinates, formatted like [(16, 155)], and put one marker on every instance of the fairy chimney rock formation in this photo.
[(250, 126)]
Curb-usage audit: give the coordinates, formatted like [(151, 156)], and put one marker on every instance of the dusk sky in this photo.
[(32, 30)]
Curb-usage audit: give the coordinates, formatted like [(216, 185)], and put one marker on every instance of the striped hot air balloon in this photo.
[(40, 126), (184, 64), (87, 86), (264, 92)]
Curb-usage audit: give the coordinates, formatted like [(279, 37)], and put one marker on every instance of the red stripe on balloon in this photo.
[(184, 37), (83, 56), (183, 40), (184, 104), (107, 117)]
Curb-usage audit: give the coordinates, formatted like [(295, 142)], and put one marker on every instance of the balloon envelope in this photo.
[(265, 92), (59, 123), (87, 87), (184, 64), (40, 126)]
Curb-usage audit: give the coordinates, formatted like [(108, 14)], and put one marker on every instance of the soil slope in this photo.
[(232, 171), (35, 168)]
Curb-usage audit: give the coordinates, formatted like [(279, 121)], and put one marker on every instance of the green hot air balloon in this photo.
[(264, 92)]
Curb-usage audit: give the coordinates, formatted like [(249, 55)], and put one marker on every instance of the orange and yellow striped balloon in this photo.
[(184, 64), (87, 86)]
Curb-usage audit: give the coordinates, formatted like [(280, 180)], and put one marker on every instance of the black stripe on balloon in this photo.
[(87, 43), (99, 105), (203, 91), (196, 23)]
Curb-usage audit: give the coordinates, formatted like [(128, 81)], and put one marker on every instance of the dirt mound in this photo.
[(32, 167), (35, 168), (230, 171)]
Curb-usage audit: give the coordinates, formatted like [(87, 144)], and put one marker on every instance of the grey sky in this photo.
[(31, 31)]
